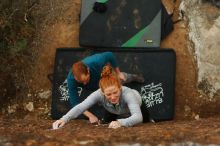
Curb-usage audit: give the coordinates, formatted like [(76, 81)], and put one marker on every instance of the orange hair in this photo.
[(109, 78), (79, 68)]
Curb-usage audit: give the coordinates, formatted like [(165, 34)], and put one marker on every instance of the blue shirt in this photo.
[(95, 63)]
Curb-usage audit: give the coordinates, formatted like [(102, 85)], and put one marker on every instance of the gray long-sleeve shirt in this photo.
[(129, 104)]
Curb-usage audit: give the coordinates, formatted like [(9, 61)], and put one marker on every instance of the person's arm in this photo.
[(134, 107), (79, 109), (72, 90), (120, 74), (92, 118), (83, 106), (110, 58), (74, 97)]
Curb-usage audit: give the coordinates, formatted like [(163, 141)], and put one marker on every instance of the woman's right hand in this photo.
[(58, 124)]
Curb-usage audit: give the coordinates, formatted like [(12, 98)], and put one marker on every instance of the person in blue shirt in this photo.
[(86, 74)]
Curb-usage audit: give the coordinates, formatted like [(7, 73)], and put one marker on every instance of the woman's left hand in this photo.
[(93, 119), (114, 125)]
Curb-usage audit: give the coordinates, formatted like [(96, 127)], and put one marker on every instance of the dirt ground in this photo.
[(197, 117), (79, 132)]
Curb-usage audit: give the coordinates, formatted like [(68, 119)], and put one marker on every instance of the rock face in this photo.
[(204, 34)]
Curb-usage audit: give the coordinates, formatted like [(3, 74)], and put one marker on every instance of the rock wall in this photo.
[(204, 34)]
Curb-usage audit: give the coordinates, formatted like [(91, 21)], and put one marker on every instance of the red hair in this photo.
[(109, 78), (79, 68)]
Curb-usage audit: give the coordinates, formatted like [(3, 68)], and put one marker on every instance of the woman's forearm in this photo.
[(88, 114), (117, 70)]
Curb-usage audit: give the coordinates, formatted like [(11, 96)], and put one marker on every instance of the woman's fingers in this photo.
[(62, 124), (58, 124), (93, 119), (114, 125), (110, 125), (55, 125)]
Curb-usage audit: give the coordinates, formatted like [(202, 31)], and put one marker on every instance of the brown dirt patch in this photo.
[(58, 26)]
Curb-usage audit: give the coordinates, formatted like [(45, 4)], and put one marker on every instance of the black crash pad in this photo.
[(156, 65), (126, 23)]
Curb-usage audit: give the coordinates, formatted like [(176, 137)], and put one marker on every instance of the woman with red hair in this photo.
[(124, 104), (86, 74)]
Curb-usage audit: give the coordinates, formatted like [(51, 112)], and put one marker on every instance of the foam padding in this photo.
[(156, 65), (126, 23)]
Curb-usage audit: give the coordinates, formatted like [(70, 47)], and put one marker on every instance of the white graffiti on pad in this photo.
[(63, 89), (152, 94)]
